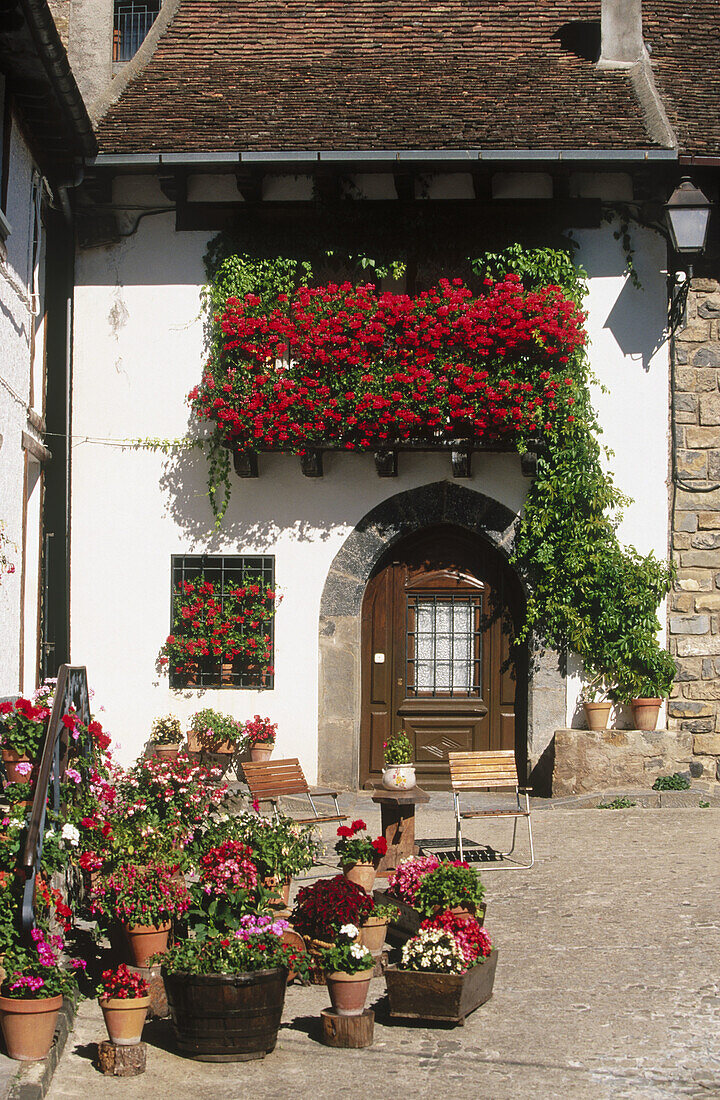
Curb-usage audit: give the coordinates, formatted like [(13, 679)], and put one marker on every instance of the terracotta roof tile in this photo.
[(365, 74)]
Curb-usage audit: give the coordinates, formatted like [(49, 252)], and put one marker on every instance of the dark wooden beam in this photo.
[(245, 463), (311, 464), (461, 463)]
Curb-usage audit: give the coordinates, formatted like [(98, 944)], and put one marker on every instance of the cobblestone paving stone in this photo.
[(607, 986)]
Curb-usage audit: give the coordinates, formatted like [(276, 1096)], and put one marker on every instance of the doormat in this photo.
[(446, 848)]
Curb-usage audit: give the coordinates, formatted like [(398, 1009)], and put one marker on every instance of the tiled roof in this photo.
[(375, 74), (685, 39)]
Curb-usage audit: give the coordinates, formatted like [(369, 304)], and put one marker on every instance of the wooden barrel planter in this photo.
[(445, 998), (226, 1017)]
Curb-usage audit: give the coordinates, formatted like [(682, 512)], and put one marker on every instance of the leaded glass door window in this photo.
[(444, 645)]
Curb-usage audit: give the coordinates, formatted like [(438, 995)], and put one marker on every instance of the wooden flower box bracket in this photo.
[(386, 460)]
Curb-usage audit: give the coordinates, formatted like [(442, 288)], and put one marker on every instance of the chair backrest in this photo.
[(274, 778), (472, 770)]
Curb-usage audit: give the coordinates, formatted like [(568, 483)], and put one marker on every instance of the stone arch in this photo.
[(438, 503)]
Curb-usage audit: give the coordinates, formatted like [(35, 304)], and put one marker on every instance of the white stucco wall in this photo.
[(15, 373), (138, 350)]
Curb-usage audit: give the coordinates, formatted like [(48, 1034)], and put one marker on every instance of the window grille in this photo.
[(133, 20), (444, 645), (221, 572)]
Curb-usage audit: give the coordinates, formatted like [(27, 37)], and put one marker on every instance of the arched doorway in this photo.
[(437, 660)]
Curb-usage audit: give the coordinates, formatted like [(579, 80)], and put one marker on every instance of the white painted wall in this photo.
[(16, 324), (138, 350)]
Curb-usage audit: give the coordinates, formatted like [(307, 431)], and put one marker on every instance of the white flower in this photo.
[(71, 833), (349, 930), (358, 951)]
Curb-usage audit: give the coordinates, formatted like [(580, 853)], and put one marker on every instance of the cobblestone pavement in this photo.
[(607, 986)]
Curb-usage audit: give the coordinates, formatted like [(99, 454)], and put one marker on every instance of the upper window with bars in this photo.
[(133, 20), (222, 621)]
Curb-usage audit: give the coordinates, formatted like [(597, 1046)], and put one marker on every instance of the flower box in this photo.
[(447, 998), (408, 922)]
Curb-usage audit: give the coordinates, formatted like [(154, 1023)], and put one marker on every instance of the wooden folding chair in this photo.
[(477, 771), (271, 780)]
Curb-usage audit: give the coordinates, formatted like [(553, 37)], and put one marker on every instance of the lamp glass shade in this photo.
[(688, 214)]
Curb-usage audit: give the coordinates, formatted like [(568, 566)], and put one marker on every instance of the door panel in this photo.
[(436, 658)]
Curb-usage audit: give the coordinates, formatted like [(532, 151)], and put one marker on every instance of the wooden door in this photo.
[(437, 625)]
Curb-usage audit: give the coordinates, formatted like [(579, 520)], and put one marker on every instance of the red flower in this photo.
[(380, 845), (357, 826), (343, 830)]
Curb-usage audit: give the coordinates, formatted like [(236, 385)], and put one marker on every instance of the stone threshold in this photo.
[(643, 798)]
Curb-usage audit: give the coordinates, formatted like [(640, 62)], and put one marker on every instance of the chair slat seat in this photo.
[(489, 771), (271, 780)]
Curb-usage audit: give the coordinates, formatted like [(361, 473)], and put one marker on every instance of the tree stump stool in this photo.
[(347, 1031), (116, 1061)]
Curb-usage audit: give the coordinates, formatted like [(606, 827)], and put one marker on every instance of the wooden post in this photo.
[(347, 1031), (397, 814), (117, 1061)]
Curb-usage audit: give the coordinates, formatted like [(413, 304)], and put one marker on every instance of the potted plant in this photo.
[(443, 973), (453, 885), (227, 887), (281, 847), (596, 702), (124, 1000), (322, 908), (399, 770), (374, 930), (348, 967), (144, 900), (22, 726), (211, 731), (359, 854), (167, 736), (260, 736), (31, 996), (646, 685), (403, 884), (226, 992)]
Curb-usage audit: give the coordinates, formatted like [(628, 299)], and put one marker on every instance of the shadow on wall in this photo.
[(311, 516), (638, 341)]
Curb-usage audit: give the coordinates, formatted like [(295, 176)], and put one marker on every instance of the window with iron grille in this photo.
[(133, 20), (444, 645), (222, 621)]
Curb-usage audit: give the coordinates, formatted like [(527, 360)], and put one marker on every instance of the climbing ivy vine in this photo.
[(587, 593)]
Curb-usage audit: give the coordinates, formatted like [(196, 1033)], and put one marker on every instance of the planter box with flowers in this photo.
[(444, 885), (214, 733), (446, 971)]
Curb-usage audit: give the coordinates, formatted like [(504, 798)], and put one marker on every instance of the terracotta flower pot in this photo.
[(11, 760), (372, 934), (28, 1026), (280, 888), (297, 942), (124, 1018), (348, 992), (362, 874), (146, 940), (167, 752), (261, 750), (645, 713), (597, 715)]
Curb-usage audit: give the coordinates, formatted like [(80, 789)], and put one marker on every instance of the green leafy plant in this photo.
[(280, 845), (167, 730), (451, 884), (397, 749), (255, 945), (347, 956), (22, 726), (386, 912), (214, 729), (674, 782), (616, 804), (354, 848)]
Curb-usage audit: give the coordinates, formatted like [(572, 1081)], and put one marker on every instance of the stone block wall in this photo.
[(694, 616)]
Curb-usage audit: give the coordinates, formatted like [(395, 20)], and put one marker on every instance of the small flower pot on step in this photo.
[(125, 1018)]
